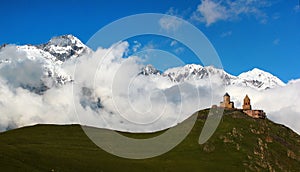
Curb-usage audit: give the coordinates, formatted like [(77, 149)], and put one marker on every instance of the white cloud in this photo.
[(225, 34), (172, 11), (276, 16), (179, 50), (170, 23), (297, 8), (173, 43), (25, 72), (137, 45), (212, 11), (276, 41), (19, 107), (149, 45)]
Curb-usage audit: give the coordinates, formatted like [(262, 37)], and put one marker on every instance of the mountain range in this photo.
[(53, 54)]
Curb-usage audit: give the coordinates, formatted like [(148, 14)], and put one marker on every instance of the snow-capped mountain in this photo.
[(149, 70), (50, 56), (54, 53), (64, 47), (255, 78), (197, 72), (260, 79)]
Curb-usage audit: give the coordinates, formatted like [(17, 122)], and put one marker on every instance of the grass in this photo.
[(240, 143)]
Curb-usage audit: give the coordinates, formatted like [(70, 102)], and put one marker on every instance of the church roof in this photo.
[(247, 97), (226, 94)]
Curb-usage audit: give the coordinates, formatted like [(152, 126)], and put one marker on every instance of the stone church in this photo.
[(247, 104), (247, 108), (226, 102)]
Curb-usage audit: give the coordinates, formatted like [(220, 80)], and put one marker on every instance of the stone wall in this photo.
[(255, 113)]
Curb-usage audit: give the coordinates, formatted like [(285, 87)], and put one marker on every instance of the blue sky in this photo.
[(246, 33)]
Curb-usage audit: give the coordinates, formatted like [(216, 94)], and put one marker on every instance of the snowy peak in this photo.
[(262, 78), (65, 40), (150, 70), (196, 72), (65, 47)]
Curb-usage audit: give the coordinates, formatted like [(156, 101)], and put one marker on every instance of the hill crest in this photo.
[(239, 143)]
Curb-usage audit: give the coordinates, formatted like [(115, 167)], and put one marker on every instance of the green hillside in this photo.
[(239, 144)]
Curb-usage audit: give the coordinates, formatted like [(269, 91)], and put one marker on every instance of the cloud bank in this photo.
[(108, 92), (212, 11)]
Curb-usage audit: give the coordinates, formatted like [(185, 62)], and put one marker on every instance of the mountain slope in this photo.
[(239, 144)]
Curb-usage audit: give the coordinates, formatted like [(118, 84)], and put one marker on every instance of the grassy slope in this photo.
[(239, 144)]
